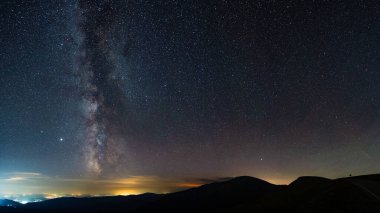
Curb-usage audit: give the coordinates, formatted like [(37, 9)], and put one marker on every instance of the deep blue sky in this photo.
[(110, 89)]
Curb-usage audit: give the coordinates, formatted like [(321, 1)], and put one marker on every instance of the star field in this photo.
[(179, 89)]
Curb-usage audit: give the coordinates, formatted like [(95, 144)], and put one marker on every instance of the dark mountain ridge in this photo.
[(7, 202), (241, 194)]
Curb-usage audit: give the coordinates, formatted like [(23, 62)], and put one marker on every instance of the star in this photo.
[(141, 87)]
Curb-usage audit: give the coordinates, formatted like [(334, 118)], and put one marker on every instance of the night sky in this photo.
[(130, 96)]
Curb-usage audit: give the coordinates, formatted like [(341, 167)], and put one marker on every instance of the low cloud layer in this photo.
[(28, 186)]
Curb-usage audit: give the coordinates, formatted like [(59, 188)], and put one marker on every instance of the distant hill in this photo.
[(95, 204), (215, 196), (6, 202), (241, 194)]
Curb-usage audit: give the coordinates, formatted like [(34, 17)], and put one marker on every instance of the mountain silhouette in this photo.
[(95, 204), (241, 194), (6, 202), (215, 196)]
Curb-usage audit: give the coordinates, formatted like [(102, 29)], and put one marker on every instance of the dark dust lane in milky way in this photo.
[(104, 101)]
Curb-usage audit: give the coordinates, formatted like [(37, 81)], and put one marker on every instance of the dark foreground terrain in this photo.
[(241, 194)]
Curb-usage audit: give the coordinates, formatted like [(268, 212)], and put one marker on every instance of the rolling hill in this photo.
[(241, 194)]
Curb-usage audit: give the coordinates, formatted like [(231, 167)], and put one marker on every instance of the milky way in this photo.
[(102, 98), (271, 89)]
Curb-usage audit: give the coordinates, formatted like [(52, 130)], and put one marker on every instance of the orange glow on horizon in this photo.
[(278, 181), (52, 187), (127, 192), (188, 185)]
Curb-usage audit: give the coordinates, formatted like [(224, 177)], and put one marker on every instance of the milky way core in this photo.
[(101, 95)]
